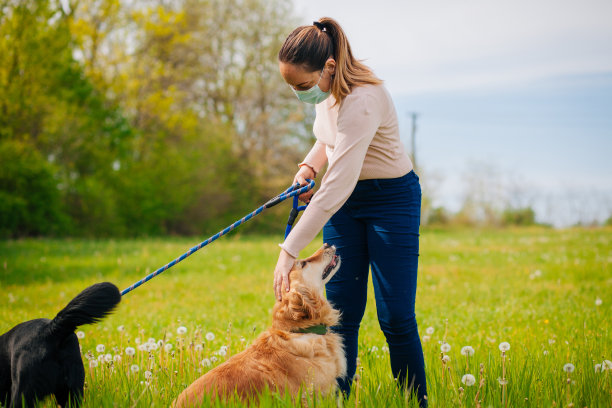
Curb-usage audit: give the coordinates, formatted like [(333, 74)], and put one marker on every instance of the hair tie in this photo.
[(319, 25)]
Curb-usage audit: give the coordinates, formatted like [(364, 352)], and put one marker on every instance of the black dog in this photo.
[(42, 357)]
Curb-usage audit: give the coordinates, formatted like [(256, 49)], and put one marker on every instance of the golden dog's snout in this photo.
[(329, 248)]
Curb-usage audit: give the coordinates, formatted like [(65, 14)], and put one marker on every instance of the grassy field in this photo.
[(547, 293)]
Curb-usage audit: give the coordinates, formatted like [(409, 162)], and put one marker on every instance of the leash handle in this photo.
[(292, 191)]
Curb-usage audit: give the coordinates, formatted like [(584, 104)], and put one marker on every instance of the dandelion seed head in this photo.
[(148, 375), (222, 352), (598, 302), (121, 328), (429, 330), (101, 357), (130, 351), (152, 346), (468, 379), (505, 346), (210, 336), (374, 349), (205, 363), (467, 351), (168, 347), (446, 358), (426, 338), (93, 363), (100, 348), (137, 340), (116, 358), (198, 347), (214, 359), (606, 365), (545, 352), (445, 347), (80, 334), (568, 368), (502, 381), (181, 330), (551, 341), (143, 347), (108, 357), (134, 368), (151, 340)]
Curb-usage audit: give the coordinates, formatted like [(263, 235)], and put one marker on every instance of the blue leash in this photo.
[(293, 215), (292, 191)]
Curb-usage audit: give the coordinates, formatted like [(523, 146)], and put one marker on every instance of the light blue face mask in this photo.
[(313, 95)]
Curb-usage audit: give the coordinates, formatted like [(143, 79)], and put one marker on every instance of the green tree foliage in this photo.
[(144, 118), (518, 216), (26, 182)]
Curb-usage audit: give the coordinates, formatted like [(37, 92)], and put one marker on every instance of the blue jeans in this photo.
[(378, 227)]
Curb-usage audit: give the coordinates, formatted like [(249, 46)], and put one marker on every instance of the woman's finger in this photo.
[(305, 197), (276, 291), (285, 282)]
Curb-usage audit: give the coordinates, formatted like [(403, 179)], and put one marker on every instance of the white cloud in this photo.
[(424, 46)]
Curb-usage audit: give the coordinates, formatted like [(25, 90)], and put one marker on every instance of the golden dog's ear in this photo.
[(303, 304)]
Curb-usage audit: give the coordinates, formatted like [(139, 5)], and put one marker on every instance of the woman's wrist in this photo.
[(287, 251), (314, 172)]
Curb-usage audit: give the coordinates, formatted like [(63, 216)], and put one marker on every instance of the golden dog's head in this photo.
[(305, 303)]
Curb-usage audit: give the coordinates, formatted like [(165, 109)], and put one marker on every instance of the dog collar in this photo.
[(317, 329)]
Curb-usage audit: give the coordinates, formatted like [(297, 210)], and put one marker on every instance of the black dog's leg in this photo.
[(67, 397), (70, 394), (21, 397), (5, 397), (71, 390)]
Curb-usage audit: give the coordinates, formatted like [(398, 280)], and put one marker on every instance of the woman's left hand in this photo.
[(281, 272)]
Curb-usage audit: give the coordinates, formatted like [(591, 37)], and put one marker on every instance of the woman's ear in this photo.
[(330, 66)]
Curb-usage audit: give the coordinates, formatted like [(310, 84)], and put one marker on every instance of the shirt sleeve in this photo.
[(317, 157), (358, 121)]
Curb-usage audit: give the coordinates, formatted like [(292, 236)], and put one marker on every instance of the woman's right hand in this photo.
[(305, 172)]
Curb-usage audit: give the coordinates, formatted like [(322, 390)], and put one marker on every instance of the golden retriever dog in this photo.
[(299, 350)]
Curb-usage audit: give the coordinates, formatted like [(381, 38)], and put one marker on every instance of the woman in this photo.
[(369, 201)]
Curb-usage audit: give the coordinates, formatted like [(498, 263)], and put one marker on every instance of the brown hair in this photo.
[(310, 46)]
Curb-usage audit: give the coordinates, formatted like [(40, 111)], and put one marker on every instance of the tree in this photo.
[(151, 116)]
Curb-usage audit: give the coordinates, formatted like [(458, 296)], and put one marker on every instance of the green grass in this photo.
[(476, 288)]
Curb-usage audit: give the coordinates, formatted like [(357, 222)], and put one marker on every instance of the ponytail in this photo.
[(311, 46)]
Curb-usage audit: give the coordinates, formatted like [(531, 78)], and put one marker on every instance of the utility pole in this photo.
[(413, 129)]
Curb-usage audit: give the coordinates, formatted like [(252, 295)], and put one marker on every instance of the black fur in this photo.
[(42, 357)]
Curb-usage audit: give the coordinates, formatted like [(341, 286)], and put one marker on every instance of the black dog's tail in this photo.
[(89, 306)]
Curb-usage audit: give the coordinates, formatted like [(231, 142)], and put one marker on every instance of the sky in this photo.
[(519, 93)]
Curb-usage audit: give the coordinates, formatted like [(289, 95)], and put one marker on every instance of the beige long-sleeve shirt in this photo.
[(359, 140)]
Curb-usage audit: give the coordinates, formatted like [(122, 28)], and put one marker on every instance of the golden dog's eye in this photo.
[(302, 264)]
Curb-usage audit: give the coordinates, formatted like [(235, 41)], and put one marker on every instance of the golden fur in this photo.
[(280, 359)]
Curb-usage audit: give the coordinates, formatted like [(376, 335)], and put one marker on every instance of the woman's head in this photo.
[(321, 54)]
